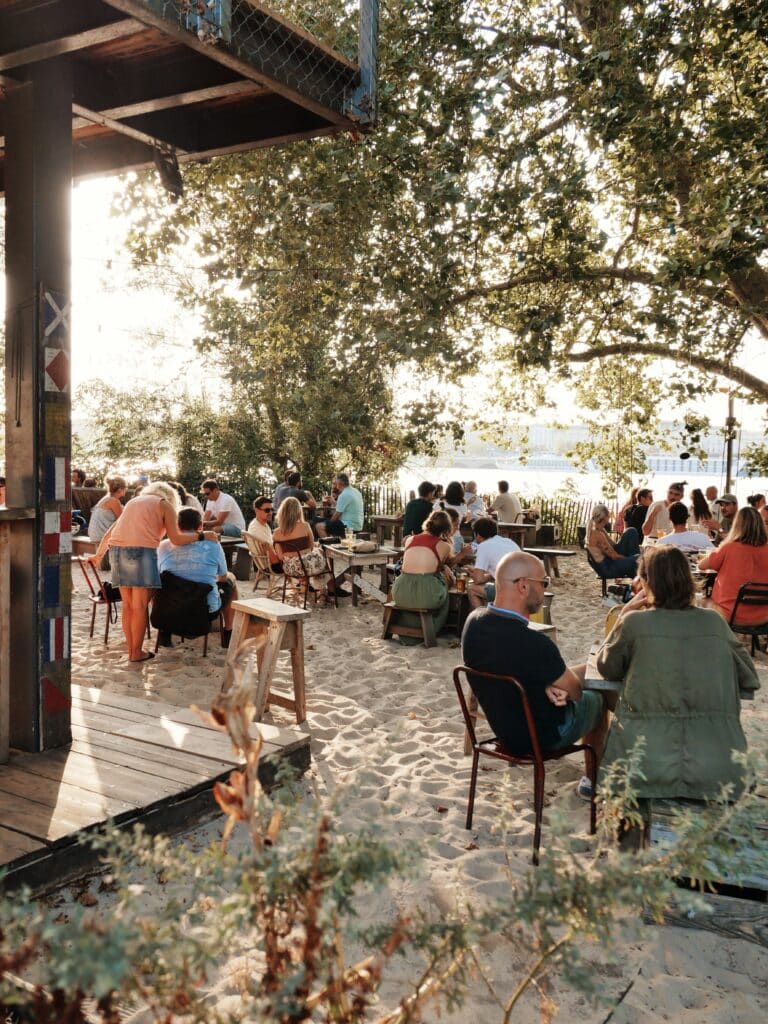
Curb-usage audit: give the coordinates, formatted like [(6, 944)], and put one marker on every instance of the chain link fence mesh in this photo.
[(324, 50)]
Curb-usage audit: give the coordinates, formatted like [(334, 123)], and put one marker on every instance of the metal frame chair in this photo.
[(100, 596), (493, 747), (296, 547), (258, 551), (751, 595)]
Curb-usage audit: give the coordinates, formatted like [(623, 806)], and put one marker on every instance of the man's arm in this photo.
[(650, 519), (569, 686)]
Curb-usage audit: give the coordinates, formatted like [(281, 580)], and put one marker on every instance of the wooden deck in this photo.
[(131, 760)]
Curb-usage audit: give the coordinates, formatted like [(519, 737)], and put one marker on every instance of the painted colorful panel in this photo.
[(56, 485)]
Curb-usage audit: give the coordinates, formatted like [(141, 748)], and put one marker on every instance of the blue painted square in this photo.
[(50, 586)]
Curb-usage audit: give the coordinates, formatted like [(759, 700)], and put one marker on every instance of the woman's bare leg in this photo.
[(135, 603)]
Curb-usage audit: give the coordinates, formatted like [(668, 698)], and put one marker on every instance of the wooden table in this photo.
[(385, 525), (513, 531), (549, 557), (282, 629), (351, 565)]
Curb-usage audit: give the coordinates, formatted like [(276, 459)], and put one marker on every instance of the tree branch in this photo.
[(735, 373)]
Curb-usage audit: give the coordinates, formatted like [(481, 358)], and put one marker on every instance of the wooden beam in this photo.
[(69, 43), (183, 99), (264, 71), (85, 116)]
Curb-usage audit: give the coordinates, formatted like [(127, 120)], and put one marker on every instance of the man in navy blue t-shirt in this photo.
[(497, 639)]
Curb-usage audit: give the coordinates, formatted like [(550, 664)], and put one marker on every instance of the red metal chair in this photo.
[(751, 595), (493, 747), (102, 594)]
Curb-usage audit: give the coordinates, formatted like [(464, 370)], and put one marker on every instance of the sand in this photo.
[(392, 711)]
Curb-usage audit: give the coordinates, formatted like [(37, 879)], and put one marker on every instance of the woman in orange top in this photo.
[(132, 543), (741, 558)]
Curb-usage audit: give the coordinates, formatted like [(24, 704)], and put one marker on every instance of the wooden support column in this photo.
[(38, 182)]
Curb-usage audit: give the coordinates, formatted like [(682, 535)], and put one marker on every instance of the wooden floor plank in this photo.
[(181, 737), (14, 844), (275, 734), (35, 819), (63, 795), (90, 773), (178, 760), (137, 761)]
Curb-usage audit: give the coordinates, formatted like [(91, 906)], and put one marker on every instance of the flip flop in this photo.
[(147, 656)]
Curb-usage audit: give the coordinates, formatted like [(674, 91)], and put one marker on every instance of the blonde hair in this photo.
[(163, 490), (115, 484), (289, 514), (748, 528)]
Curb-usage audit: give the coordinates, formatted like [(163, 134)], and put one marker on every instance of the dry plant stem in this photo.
[(484, 978), (426, 989), (532, 972)]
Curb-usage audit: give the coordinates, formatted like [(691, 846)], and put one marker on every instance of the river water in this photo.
[(536, 482)]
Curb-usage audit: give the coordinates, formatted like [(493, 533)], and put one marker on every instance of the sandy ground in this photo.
[(391, 711)]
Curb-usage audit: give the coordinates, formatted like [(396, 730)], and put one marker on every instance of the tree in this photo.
[(550, 184)]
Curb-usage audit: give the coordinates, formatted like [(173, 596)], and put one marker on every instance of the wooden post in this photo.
[(38, 183)]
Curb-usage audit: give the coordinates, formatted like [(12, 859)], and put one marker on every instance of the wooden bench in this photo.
[(549, 557), (425, 632), (282, 627), (83, 545)]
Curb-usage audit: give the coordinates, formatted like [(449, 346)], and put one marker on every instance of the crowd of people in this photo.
[(682, 668), (152, 535)]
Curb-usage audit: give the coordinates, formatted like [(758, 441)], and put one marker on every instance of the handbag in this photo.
[(111, 595)]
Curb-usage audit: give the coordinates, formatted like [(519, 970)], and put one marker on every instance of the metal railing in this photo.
[(324, 50)]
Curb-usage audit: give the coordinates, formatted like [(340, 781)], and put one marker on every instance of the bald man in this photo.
[(497, 639)]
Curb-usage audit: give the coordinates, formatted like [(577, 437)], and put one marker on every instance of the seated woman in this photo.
[(462, 552), (292, 526), (425, 579), (683, 672), (758, 501), (611, 560), (700, 519), (741, 558), (454, 499), (108, 510)]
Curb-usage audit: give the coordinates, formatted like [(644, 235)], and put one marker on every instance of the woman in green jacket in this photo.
[(684, 674)]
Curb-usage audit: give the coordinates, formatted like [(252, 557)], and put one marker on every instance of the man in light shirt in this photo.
[(506, 505), (657, 521), (473, 501), (681, 537), (491, 548), (222, 513), (260, 529)]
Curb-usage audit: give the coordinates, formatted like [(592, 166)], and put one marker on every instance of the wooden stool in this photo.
[(283, 629), (425, 632)]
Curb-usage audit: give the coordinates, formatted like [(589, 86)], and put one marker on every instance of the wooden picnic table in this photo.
[(351, 568), (549, 557), (386, 525), (514, 531)]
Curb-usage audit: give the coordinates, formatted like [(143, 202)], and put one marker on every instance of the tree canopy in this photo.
[(549, 184)]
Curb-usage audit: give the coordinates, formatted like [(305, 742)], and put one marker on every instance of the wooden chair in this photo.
[(300, 547), (493, 747), (751, 595), (101, 595), (259, 552), (425, 632)]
